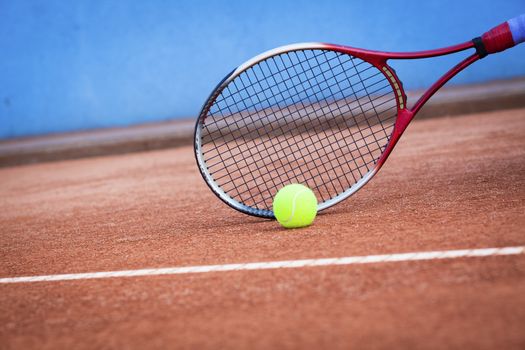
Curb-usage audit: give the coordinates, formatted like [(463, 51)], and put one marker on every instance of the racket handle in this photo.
[(502, 37)]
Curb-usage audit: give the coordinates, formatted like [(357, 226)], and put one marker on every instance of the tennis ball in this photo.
[(294, 206)]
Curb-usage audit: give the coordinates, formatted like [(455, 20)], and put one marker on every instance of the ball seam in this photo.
[(293, 205)]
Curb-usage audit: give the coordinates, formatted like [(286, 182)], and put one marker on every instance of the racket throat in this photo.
[(404, 117)]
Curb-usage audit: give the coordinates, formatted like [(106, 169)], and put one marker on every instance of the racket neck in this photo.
[(442, 81), (403, 119)]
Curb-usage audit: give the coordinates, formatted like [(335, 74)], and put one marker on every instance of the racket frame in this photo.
[(379, 60)]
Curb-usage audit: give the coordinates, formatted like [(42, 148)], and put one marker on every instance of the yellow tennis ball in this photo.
[(294, 206)]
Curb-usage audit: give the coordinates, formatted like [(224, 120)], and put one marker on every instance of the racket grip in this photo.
[(502, 37)]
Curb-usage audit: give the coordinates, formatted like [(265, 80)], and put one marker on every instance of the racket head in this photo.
[(247, 148)]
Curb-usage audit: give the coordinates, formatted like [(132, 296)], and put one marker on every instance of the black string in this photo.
[(316, 117)]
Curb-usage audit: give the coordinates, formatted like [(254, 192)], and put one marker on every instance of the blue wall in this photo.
[(70, 65)]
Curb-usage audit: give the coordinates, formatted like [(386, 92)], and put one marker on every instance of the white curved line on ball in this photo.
[(293, 205)]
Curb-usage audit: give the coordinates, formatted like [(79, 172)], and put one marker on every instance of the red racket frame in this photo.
[(500, 38)]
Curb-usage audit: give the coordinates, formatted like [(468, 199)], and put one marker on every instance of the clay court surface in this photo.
[(451, 183)]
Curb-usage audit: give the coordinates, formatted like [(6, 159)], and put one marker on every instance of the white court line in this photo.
[(350, 260)]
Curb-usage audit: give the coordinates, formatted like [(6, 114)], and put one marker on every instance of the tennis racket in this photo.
[(326, 116)]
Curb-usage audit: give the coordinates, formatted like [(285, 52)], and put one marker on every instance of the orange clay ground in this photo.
[(451, 183)]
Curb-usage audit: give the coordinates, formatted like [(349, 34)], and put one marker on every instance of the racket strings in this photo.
[(279, 71), (227, 108), (307, 144), (316, 117), (319, 175), (224, 137), (232, 155)]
